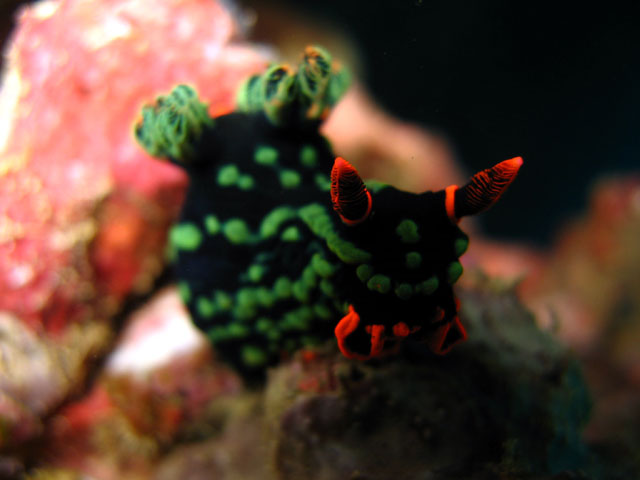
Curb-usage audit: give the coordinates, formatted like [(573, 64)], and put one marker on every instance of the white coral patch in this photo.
[(9, 97), (155, 335), (111, 28), (43, 10)]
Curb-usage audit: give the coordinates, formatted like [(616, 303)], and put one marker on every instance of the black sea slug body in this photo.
[(281, 245)]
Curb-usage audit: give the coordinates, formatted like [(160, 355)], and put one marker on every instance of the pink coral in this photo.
[(77, 74), (83, 211)]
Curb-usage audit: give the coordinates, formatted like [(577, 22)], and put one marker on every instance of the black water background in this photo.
[(555, 82)]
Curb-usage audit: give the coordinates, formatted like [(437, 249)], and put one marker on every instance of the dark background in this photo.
[(557, 83)]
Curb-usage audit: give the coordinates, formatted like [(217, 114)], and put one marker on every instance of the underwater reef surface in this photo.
[(589, 292), (83, 219), (83, 212), (510, 403)]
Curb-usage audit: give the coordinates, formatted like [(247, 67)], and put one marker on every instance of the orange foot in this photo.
[(441, 340), (348, 325)]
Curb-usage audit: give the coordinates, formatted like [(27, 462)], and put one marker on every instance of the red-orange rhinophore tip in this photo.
[(485, 188), (349, 195), (345, 327)]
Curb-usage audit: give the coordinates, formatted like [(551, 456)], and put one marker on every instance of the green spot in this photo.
[(185, 236), (321, 266), (217, 334), (237, 330), (266, 327), (300, 291), (272, 221), (212, 224), (223, 300), (428, 286), (184, 291), (246, 182), (237, 231), (347, 251), (318, 220), (379, 283), (404, 291), (309, 277), (408, 231), (322, 182), (246, 303), (265, 155), (453, 272), (264, 324), (282, 287), (364, 272), (460, 245), (298, 319), (291, 234), (320, 223), (253, 356), (327, 288), (289, 178), (322, 311), (228, 175), (274, 335), (413, 260), (205, 307), (308, 156), (266, 298), (256, 272)]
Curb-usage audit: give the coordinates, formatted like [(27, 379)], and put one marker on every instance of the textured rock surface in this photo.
[(82, 221), (75, 207), (512, 400), (509, 404), (156, 389), (83, 211), (590, 290)]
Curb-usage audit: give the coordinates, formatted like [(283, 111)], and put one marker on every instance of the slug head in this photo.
[(402, 286)]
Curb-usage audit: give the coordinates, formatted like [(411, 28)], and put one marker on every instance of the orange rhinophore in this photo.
[(482, 191), (349, 195)]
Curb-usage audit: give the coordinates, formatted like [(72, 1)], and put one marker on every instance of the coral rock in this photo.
[(83, 212)]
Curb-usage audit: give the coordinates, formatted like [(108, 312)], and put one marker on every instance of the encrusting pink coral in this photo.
[(83, 212)]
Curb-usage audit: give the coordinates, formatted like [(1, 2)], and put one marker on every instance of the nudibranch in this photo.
[(281, 245)]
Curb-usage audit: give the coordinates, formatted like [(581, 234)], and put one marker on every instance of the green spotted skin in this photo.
[(256, 272), (266, 267)]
